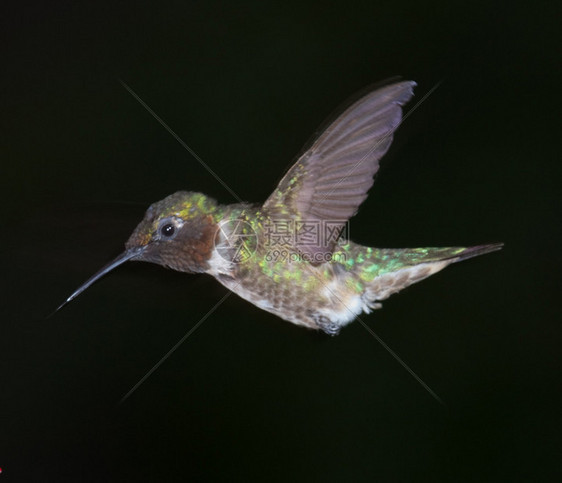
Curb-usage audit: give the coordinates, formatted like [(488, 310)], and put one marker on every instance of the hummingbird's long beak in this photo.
[(127, 255)]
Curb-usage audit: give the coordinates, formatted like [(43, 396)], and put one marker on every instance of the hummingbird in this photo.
[(290, 255)]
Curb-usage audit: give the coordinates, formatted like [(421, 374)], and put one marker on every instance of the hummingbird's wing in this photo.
[(331, 178)]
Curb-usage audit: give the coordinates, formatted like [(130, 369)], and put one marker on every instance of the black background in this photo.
[(249, 397)]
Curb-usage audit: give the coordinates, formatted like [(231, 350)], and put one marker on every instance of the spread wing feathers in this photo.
[(331, 179)]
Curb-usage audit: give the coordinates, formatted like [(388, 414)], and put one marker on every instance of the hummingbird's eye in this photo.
[(168, 230)]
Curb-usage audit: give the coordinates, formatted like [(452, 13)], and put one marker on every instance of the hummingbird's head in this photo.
[(177, 232)]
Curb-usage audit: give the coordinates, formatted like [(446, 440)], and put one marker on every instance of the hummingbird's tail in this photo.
[(395, 269), (478, 250)]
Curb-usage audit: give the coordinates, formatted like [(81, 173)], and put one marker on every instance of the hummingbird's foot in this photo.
[(373, 306), (327, 326)]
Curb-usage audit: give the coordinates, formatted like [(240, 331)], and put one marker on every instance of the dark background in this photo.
[(249, 397)]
